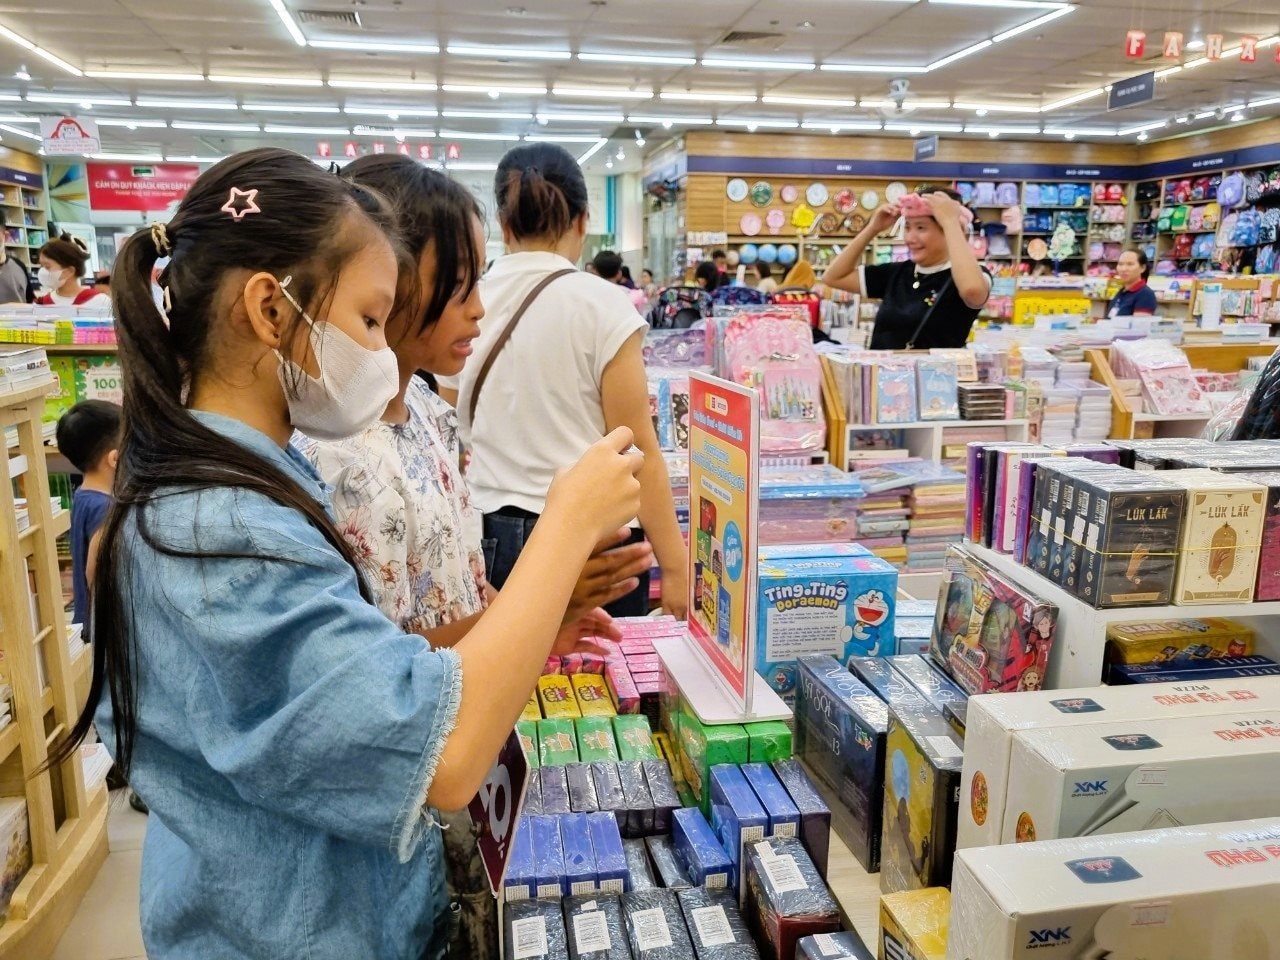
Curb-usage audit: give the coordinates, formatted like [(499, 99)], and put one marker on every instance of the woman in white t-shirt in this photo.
[(62, 264), (537, 393)]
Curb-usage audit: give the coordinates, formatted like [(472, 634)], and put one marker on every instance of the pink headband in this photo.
[(914, 205)]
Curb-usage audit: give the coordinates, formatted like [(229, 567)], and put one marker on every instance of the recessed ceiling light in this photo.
[(581, 117), (689, 96), (1237, 116), (410, 85), (496, 90), (566, 138), (622, 154), (1069, 136), (982, 112), (21, 73), (267, 81), (505, 53), (130, 123), (608, 164), (140, 75), (726, 63), (18, 131), (163, 104), (374, 46), (216, 127), (290, 108), (669, 122), (603, 93), (871, 68), (467, 135), (92, 101), (315, 131), (128, 157), (809, 102), (287, 19), (657, 59), (486, 114), (374, 110), (1144, 135), (804, 25)]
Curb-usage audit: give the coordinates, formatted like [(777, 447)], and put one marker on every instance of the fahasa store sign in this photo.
[(152, 188)]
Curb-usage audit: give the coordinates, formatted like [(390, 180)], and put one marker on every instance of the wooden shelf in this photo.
[(8, 740), (61, 349)]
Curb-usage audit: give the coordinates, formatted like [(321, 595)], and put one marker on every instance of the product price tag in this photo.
[(496, 808), (529, 938), (828, 945), (652, 932), (591, 930), (712, 926), (784, 874)]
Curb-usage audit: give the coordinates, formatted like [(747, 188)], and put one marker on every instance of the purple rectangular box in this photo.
[(784, 816), (555, 790), (662, 789), (606, 845), (815, 815), (637, 800), (582, 788)]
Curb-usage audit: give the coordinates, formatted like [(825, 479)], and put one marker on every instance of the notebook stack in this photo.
[(981, 401)]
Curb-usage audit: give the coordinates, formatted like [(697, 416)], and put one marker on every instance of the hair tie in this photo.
[(160, 238)]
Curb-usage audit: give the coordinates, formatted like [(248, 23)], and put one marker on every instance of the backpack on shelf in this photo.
[(1270, 229), (1195, 219), (1067, 195), (1199, 188), (679, 308), (1031, 195), (1183, 244), (1164, 220), (1182, 191), (1212, 216), (1115, 194), (1099, 193), (1248, 225), (985, 194), (966, 192), (1178, 219), (1007, 194), (1231, 191), (1112, 251), (1254, 186), (1096, 250), (738, 296), (1202, 249), (1147, 191)]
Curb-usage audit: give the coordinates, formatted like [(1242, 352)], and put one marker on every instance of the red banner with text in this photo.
[(144, 188)]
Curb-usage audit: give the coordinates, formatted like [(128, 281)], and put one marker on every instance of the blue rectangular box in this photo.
[(548, 857), (1133, 672), (519, 882), (606, 846), (700, 853), (937, 688), (815, 815), (842, 606), (579, 855), (1196, 676), (841, 727), (784, 817), (737, 817)]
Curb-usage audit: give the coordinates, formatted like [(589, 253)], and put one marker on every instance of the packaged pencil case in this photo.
[(582, 788), (784, 816), (519, 882), (662, 852), (592, 695), (534, 929), (612, 874), (662, 791), (715, 925), (815, 816), (699, 850), (556, 696), (595, 928), (655, 926), (555, 790), (579, 856), (786, 899)]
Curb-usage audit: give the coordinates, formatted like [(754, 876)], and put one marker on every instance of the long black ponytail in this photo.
[(263, 210)]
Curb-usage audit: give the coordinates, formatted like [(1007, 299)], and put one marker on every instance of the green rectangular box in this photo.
[(769, 740), (703, 747), (557, 743), (595, 740), (527, 731), (635, 738)]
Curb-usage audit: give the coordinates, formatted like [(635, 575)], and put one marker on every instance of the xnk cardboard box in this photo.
[(993, 721), (548, 856), (937, 688), (784, 816), (786, 898), (717, 929), (1119, 777), (840, 733), (839, 606), (845, 945), (923, 756), (534, 929), (1202, 892), (913, 925), (595, 928)]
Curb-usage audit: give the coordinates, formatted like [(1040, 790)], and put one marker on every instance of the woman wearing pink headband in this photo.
[(932, 299)]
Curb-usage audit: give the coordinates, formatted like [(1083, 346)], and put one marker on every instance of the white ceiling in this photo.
[(226, 44)]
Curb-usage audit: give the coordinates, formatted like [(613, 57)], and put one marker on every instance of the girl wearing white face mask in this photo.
[(289, 739), (62, 264)]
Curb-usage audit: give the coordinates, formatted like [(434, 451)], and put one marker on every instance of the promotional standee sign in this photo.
[(496, 809), (724, 498)]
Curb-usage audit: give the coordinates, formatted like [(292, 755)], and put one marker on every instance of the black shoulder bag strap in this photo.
[(506, 335), (911, 344)]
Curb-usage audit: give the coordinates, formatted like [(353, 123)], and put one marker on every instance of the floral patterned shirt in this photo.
[(402, 503)]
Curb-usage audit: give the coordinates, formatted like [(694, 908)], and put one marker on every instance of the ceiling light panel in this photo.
[(1073, 99), (579, 117), (312, 131), (18, 131), (129, 157), (757, 124), (959, 55), (131, 124), (374, 46), (266, 81), (165, 104), (1003, 4), (290, 108), (689, 96), (599, 144), (671, 121), (216, 127), (468, 135), (485, 114), (788, 66), (66, 98), (602, 93), (914, 128), (505, 53), (997, 107), (838, 126), (870, 68), (410, 85), (498, 88), (1081, 131), (808, 102), (389, 111), (467, 165), (628, 59), (289, 23), (562, 138), (139, 75), (1031, 24)]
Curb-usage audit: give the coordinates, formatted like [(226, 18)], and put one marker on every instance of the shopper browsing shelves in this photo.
[(399, 495), (932, 299), (1135, 297), (558, 364), (287, 736)]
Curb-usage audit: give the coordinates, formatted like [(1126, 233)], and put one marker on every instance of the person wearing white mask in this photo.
[(62, 263), (291, 742)]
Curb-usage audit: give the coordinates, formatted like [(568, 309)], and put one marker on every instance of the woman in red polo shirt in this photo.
[(61, 267), (1135, 297)]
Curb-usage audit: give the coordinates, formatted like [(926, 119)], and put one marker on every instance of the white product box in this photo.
[(1190, 893), (993, 720), (1142, 775)]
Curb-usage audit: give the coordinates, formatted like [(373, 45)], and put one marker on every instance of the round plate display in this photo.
[(750, 224), (828, 223), (761, 193), (1037, 249), (775, 219), (895, 191), (870, 200), (736, 189), (845, 202), (857, 223), (816, 194), (789, 193)]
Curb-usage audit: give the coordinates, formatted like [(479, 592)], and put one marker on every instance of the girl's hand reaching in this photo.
[(610, 574), (886, 216), (580, 636), (600, 492)]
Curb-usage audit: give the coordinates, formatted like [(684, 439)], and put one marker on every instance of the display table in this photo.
[(1081, 638), (857, 892)]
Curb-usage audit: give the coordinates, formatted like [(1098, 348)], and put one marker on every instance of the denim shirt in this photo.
[(287, 735)]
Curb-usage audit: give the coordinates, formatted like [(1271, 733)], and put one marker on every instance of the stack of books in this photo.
[(981, 401), (22, 367)]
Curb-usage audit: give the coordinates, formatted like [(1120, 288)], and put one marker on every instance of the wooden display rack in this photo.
[(1127, 425), (67, 823)]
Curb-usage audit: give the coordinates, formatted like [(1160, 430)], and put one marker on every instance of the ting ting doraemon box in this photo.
[(838, 605)]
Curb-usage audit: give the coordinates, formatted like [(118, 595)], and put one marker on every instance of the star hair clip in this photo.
[(241, 203)]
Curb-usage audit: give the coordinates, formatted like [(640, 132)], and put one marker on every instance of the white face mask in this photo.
[(353, 389), (50, 280)]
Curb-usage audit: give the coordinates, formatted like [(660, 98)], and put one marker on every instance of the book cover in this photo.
[(895, 394), (937, 388)]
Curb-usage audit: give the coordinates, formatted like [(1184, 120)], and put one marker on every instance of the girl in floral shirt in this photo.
[(401, 500)]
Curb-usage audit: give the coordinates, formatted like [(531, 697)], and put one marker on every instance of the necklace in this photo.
[(915, 275)]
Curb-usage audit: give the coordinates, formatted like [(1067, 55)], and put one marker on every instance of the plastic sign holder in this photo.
[(714, 664), (496, 809)]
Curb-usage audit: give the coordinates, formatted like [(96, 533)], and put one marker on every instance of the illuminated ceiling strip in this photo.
[(599, 144), (374, 46), (294, 30)]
